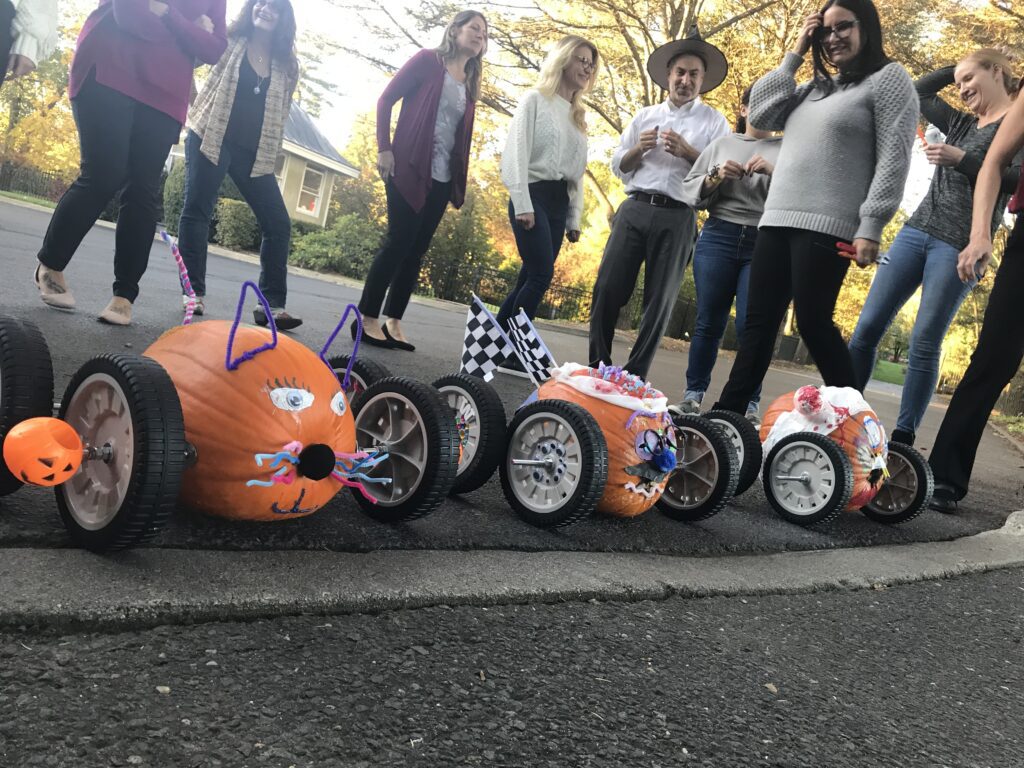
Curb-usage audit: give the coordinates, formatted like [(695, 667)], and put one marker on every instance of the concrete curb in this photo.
[(71, 589)]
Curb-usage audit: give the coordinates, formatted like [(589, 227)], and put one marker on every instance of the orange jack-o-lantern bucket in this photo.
[(634, 419), (843, 415)]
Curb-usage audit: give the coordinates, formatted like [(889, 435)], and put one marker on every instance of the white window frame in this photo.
[(319, 193), (284, 171)]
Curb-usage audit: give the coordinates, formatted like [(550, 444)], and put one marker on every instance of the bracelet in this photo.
[(714, 172)]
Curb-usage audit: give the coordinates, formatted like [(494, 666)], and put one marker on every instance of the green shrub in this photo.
[(174, 196), (236, 226), (347, 248)]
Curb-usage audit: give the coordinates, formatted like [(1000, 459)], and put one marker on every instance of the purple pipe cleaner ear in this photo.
[(232, 364), (351, 308)]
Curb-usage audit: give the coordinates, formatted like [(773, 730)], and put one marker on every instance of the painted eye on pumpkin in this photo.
[(291, 398), (647, 443), (338, 404)]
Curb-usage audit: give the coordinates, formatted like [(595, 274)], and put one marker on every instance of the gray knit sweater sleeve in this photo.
[(896, 108), (772, 96)]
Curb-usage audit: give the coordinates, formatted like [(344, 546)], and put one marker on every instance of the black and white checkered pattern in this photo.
[(530, 349), (485, 346)]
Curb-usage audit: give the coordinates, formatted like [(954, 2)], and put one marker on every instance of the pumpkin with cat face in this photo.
[(267, 432), (637, 430)]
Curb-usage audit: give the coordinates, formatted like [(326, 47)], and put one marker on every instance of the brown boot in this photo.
[(52, 288), (118, 312)]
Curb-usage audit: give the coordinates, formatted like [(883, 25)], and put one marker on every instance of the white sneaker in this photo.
[(200, 305)]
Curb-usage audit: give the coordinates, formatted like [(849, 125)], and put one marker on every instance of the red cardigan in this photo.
[(418, 84), (147, 57)]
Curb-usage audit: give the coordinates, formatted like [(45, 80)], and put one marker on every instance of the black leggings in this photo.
[(803, 266), (124, 144), (994, 363), (396, 268)]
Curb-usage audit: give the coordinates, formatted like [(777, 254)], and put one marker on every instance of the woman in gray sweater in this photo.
[(925, 251), (730, 179), (840, 177)]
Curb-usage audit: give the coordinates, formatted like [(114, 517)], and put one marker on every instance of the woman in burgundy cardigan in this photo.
[(129, 88), (423, 167)]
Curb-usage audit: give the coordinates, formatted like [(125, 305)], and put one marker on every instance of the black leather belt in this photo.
[(662, 201)]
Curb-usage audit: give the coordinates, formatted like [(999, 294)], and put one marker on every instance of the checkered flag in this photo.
[(485, 346), (530, 348)]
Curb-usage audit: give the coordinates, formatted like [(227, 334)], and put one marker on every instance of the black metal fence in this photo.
[(31, 181), (561, 302)]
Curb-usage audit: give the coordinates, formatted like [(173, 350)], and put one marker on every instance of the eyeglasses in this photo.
[(587, 64), (841, 30)]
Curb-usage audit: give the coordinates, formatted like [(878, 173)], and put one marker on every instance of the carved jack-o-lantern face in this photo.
[(641, 444), (266, 433)]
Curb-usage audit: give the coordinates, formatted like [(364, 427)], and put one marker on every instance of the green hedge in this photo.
[(236, 226), (347, 248)]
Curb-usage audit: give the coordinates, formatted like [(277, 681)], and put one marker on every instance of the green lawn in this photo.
[(891, 373), (29, 199)]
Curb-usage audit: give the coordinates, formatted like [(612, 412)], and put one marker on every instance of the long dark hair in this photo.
[(868, 60), (741, 121), (282, 45)]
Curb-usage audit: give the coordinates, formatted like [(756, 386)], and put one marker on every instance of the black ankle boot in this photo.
[(902, 436)]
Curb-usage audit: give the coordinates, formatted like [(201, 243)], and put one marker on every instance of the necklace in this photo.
[(257, 90)]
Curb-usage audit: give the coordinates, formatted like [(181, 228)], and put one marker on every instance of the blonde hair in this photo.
[(448, 50), (557, 61), (990, 58)]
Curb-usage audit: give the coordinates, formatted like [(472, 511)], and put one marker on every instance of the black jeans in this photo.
[(995, 361), (396, 267), (803, 266), (123, 144), (538, 247), (202, 184)]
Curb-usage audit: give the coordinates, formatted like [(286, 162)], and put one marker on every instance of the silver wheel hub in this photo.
[(467, 422), (545, 461), (99, 413), (900, 490), (390, 421), (696, 473), (803, 479)]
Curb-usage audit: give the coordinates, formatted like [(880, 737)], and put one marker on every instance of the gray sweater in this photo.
[(845, 160), (740, 201)]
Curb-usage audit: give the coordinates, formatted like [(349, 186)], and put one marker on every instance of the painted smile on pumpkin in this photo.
[(296, 509)]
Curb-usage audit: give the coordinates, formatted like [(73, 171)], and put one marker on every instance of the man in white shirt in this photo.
[(653, 227)]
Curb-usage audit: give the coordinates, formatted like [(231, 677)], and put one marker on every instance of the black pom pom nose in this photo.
[(316, 461)]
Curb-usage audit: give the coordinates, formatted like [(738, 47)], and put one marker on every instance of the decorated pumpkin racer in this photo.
[(588, 439), (232, 420), (826, 451)]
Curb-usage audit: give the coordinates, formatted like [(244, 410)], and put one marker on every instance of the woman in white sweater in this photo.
[(542, 167), (28, 34)]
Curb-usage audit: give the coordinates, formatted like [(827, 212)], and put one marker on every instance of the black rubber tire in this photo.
[(725, 467), (26, 383), (441, 442), (885, 509), (159, 451), (365, 373), (841, 468), (490, 415), (750, 440), (593, 470)]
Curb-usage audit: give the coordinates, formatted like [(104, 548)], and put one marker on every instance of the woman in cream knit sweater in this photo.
[(542, 167)]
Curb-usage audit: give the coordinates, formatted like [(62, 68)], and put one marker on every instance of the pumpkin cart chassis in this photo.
[(117, 452)]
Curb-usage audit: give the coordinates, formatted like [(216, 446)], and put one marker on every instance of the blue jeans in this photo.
[(538, 247), (202, 186), (721, 271), (915, 259)]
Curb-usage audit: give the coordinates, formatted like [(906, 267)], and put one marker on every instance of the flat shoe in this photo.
[(397, 343), (52, 294), (370, 340), (118, 312)]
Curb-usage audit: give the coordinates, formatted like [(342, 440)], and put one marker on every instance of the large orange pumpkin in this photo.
[(266, 433), (860, 434), (635, 423)]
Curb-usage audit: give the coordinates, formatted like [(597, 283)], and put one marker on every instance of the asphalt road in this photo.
[(480, 520), (925, 676)]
